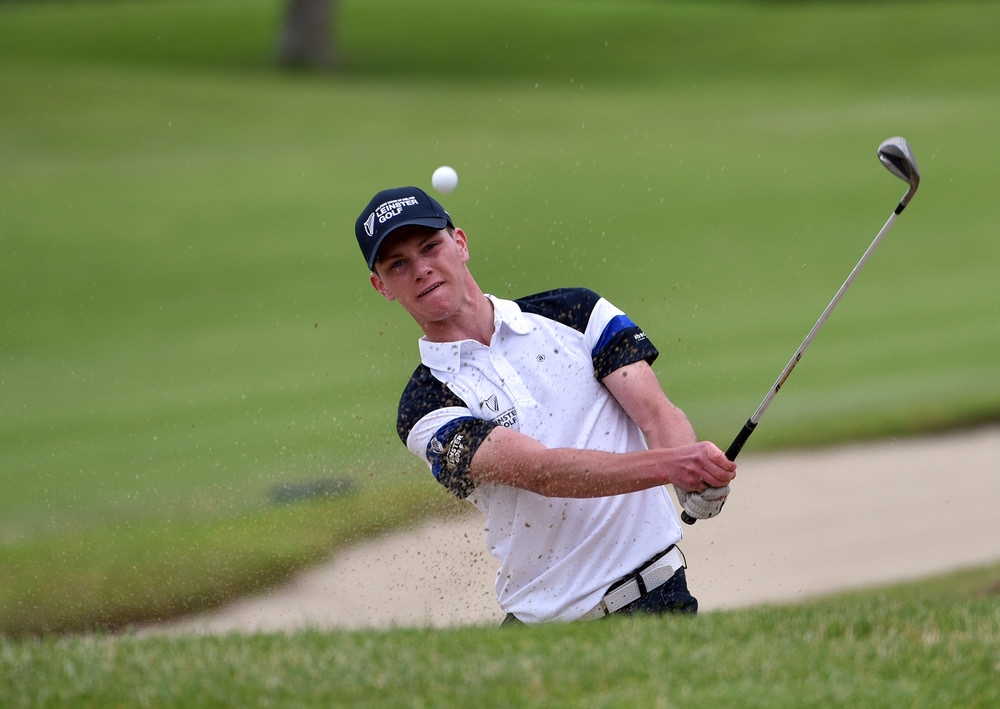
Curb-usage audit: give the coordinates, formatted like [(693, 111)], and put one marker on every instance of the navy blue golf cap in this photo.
[(391, 209)]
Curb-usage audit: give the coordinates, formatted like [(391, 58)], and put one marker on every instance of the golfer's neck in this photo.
[(473, 321)]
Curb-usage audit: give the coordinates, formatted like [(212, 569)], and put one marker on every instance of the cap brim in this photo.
[(430, 222)]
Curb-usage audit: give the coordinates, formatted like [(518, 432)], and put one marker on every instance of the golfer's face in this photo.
[(424, 270)]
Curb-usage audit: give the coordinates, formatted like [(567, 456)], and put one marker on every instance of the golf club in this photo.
[(896, 155)]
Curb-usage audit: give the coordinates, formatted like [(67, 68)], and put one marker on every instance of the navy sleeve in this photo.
[(446, 435), (451, 449), (423, 394), (622, 342)]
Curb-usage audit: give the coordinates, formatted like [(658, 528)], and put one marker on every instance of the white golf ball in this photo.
[(444, 179)]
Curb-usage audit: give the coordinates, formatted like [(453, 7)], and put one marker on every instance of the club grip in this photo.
[(734, 450), (737, 445)]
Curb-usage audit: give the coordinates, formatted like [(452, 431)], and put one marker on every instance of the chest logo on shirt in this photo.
[(491, 406), (507, 419)]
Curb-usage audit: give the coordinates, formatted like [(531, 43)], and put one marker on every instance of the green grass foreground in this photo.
[(186, 323), (913, 646)]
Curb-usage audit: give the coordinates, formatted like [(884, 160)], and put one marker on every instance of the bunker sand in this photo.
[(797, 525)]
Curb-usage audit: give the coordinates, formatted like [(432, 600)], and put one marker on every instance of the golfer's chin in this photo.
[(434, 305)]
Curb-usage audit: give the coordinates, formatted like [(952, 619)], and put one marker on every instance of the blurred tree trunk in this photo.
[(307, 38)]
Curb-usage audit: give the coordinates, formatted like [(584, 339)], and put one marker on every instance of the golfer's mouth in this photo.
[(433, 287)]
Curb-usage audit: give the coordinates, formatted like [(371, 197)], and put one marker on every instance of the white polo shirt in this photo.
[(541, 375)]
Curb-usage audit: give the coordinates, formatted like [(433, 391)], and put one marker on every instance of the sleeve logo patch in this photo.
[(455, 450)]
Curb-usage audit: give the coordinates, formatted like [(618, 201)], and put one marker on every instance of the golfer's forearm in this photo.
[(566, 472)]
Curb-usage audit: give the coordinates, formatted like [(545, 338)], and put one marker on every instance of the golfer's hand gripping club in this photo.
[(896, 155), (708, 504)]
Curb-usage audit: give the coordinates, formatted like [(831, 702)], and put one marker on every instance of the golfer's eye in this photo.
[(396, 265), (430, 246)]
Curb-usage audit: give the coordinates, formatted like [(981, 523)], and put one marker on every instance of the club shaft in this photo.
[(737, 444), (748, 428), (896, 155)]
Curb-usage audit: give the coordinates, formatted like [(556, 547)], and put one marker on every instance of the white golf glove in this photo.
[(705, 504)]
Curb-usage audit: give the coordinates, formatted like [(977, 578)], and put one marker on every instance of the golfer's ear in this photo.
[(379, 285), (463, 244)]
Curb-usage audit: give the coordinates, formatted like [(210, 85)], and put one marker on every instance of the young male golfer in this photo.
[(544, 413)]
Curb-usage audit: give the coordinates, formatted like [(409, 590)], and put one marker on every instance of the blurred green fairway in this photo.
[(185, 319)]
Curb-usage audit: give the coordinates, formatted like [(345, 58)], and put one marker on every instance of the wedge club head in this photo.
[(897, 156)]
